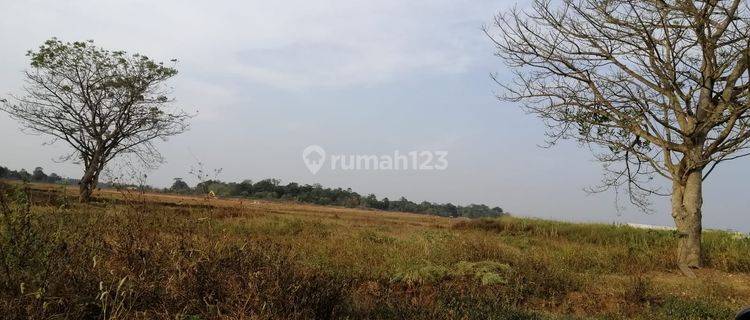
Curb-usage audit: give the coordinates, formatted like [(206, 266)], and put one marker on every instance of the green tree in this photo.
[(54, 177), (452, 210), (38, 175), (179, 186), (24, 175), (385, 204), (370, 201), (102, 103)]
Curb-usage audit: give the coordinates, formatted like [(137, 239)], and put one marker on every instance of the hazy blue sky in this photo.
[(269, 78)]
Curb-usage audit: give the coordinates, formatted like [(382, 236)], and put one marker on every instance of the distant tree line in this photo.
[(317, 194), (273, 189), (37, 175)]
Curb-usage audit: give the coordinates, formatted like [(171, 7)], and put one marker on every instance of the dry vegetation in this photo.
[(128, 256)]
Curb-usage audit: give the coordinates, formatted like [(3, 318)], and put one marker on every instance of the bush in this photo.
[(688, 309)]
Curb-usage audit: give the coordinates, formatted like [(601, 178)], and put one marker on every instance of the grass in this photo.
[(166, 257)]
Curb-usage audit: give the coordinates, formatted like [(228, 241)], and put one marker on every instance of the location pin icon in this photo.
[(314, 157)]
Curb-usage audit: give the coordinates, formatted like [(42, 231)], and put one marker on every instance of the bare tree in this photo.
[(204, 176), (656, 88), (102, 103)]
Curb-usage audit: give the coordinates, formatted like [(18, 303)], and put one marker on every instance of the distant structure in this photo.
[(650, 227)]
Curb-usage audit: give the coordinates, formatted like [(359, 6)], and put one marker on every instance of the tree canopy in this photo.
[(101, 103)]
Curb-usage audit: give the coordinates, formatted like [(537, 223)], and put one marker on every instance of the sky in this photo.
[(269, 78)]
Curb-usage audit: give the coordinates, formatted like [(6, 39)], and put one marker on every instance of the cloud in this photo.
[(286, 44)]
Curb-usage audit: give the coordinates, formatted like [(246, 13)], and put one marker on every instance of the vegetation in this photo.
[(270, 189), (102, 103), (317, 194), (37, 176), (655, 88), (129, 256)]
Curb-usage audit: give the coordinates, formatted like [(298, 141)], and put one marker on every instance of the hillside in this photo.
[(156, 256)]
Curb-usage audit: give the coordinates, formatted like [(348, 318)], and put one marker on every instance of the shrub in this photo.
[(689, 309)]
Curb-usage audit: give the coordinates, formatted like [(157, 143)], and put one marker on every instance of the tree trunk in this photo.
[(86, 186), (687, 200), (89, 180)]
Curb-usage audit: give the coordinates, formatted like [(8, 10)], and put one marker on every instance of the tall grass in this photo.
[(619, 248)]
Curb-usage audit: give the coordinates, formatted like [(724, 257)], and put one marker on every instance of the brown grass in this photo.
[(162, 256)]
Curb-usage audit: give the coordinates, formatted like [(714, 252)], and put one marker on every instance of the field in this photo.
[(133, 256)]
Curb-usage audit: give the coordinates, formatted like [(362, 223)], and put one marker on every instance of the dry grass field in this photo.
[(134, 256)]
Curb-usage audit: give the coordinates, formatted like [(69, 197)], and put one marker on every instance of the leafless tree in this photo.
[(102, 103), (656, 88), (204, 176)]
